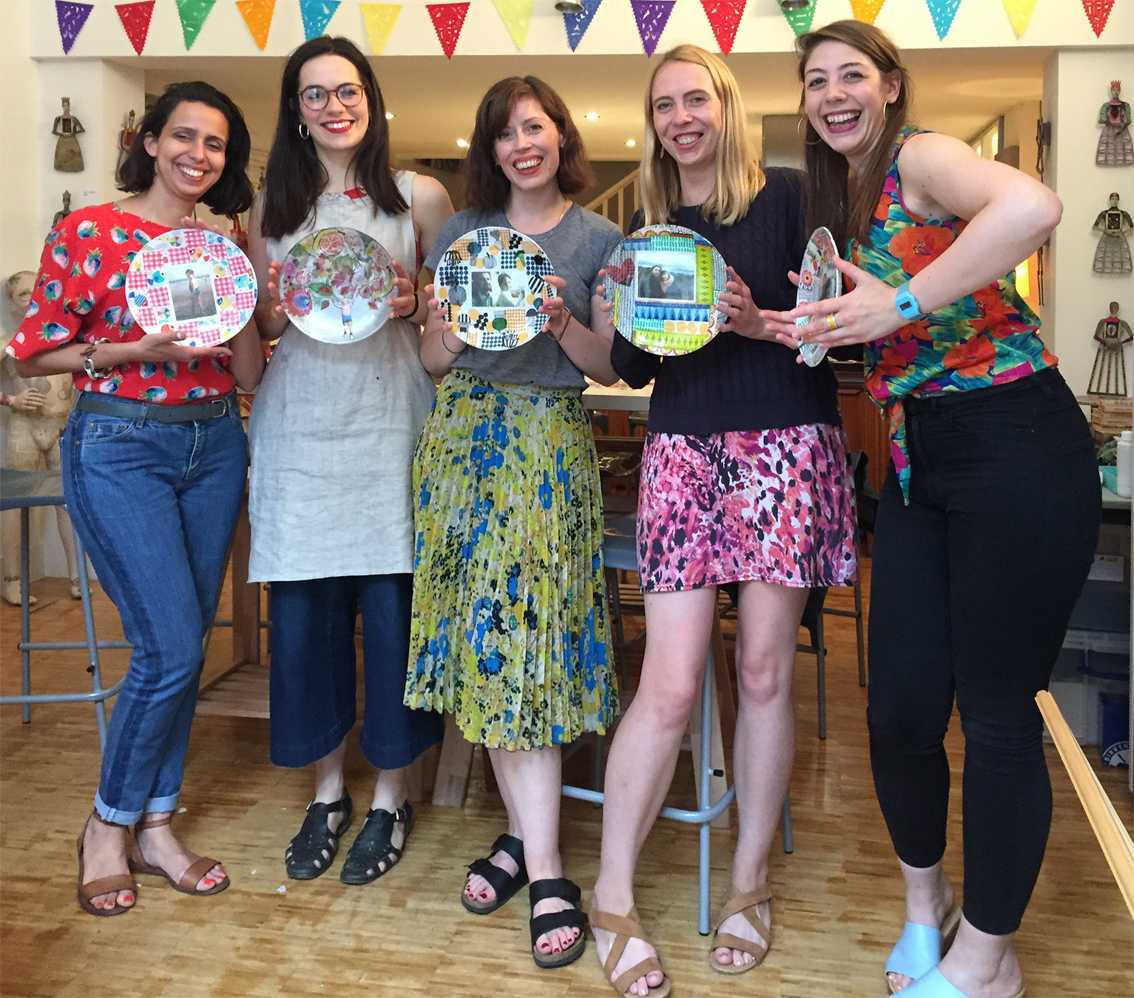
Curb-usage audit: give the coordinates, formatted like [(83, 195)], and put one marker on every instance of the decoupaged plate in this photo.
[(193, 282), (664, 281), (335, 283), (818, 280), (491, 283)]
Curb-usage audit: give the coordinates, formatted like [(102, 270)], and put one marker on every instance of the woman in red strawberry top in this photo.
[(154, 462)]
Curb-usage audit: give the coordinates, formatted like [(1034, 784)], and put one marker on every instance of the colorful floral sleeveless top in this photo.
[(987, 338)]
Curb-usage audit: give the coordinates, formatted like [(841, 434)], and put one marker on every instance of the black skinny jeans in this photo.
[(972, 587)]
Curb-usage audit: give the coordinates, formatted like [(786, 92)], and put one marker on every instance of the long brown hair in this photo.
[(739, 177), (830, 201)]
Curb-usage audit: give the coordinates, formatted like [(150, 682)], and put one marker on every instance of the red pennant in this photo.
[(448, 19), (135, 18), (1098, 11), (724, 18)]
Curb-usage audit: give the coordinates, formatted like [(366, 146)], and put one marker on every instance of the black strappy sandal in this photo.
[(565, 890), (503, 883), (312, 851), (374, 845)]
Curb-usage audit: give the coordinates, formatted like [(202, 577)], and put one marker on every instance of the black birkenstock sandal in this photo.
[(503, 883), (565, 890)]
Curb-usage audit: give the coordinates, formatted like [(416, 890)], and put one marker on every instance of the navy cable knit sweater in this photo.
[(736, 383)]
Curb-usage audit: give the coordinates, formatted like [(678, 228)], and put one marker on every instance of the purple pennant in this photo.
[(71, 17), (577, 24), (651, 16), (942, 12)]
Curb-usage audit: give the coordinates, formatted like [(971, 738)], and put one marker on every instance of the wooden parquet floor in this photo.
[(837, 911)]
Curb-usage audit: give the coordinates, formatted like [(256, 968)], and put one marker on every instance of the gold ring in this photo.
[(831, 323)]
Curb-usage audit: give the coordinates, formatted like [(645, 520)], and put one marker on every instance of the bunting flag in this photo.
[(1098, 11), (866, 10), (1019, 14), (379, 19), (257, 15), (576, 24), (724, 18), (316, 16), (448, 19), (942, 12), (517, 18), (71, 18), (135, 18), (651, 16), (800, 19), (192, 14)]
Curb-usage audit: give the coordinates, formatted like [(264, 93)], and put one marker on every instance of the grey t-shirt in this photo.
[(578, 248)]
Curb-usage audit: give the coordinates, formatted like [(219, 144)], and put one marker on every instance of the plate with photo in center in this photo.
[(663, 282), (819, 279), (335, 285), (193, 282), (491, 283)]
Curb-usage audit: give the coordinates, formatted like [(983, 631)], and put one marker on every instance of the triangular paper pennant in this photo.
[(1019, 14), (576, 24), (257, 15), (724, 18), (1098, 11), (71, 18), (192, 14), (517, 18), (800, 19), (316, 16), (379, 19), (866, 10), (135, 18), (651, 16), (942, 12), (448, 19)]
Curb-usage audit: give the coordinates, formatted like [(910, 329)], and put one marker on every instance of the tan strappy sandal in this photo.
[(104, 885), (742, 904), (189, 879), (625, 928)]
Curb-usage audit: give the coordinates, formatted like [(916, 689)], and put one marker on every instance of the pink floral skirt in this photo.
[(767, 505)]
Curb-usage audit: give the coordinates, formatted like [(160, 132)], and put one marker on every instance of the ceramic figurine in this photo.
[(63, 212), (1113, 253), (1111, 334), (1115, 145), (68, 155)]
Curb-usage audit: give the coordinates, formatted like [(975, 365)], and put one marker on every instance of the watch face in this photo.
[(819, 279)]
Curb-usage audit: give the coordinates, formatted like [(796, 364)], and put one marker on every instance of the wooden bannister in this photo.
[(619, 202)]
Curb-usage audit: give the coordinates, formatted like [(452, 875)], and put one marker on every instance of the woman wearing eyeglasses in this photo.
[(332, 434)]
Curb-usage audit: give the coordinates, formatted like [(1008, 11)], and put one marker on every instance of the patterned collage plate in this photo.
[(334, 285), (663, 281), (818, 280), (193, 282), (491, 283)]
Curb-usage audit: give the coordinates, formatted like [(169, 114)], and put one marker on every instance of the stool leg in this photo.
[(821, 677), (785, 825), (93, 667), (25, 609), (859, 627), (706, 780)]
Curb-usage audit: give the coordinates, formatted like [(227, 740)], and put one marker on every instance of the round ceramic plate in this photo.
[(663, 281), (334, 285), (491, 283), (193, 282), (818, 279)]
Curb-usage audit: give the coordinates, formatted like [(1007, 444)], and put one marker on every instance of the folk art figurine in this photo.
[(68, 155), (125, 141), (1115, 145), (1113, 253), (1108, 376), (39, 411), (63, 212)]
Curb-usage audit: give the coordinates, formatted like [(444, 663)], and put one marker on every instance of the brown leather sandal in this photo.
[(189, 879), (742, 904), (86, 893), (625, 928)]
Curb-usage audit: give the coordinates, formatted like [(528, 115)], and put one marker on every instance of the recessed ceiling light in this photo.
[(463, 143), (631, 142), (591, 116), (388, 116)]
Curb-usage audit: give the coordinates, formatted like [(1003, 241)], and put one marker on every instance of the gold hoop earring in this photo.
[(304, 131)]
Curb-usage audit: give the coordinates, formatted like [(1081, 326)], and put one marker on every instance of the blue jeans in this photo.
[(155, 506)]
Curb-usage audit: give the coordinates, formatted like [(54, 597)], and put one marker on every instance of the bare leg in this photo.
[(329, 786), (982, 966), (160, 847), (104, 855), (390, 793), (929, 898), (644, 754)]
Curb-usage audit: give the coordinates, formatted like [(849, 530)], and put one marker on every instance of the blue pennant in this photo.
[(942, 12), (577, 24), (316, 16)]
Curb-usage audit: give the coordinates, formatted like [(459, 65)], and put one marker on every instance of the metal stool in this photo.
[(619, 552), (21, 490)]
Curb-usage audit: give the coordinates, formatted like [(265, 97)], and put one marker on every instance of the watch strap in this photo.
[(907, 305)]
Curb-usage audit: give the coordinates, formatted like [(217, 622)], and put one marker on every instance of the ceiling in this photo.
[(957, 91)]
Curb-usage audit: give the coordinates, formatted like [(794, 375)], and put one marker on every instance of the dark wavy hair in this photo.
[(294, 177), (829, 200), (487, 186), (232, 193)]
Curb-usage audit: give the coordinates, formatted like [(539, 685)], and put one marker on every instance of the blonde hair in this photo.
[(739, 177)]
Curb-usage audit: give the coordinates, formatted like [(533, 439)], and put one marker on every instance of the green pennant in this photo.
[(800, 20), (193, 14)]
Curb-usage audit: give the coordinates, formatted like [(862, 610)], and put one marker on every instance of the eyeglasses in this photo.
[(315, 98)]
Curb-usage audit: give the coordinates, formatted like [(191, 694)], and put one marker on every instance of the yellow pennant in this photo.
[(866, 10), (258, 16), (380, 19), (1019, 13), (517, 18)]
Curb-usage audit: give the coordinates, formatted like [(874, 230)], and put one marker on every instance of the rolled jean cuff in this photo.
[(120, 817)]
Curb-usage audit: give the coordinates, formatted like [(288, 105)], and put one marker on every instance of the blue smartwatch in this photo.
[(907, 304)]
